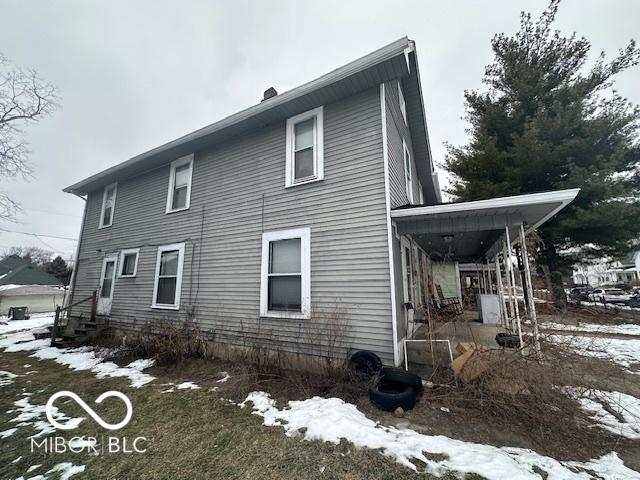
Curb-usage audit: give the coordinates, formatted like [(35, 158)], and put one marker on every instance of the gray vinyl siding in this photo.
[(397, 130), (237, 193)]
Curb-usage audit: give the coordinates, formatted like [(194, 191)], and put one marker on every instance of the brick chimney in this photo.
[(269, 93)]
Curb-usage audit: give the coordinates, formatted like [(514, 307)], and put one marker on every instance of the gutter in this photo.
[(383, 54), (72, 282)]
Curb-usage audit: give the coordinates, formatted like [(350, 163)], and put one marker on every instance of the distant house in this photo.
[(610, 272), (23, 284)]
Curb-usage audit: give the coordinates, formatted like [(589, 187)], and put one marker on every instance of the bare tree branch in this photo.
[(24, 99)]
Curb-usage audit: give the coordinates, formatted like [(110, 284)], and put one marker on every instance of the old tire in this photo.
[(365, 364), (508, 340), (390, 396), (402, 377)]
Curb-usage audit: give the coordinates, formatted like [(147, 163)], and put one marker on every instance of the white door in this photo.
[(107, 280)]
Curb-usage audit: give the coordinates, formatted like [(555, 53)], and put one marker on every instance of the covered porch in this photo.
[(465, 272)]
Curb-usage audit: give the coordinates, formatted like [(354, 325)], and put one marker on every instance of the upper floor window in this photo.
[(129, 262), (286, 284), (403, 105), (179, 195), (108, 205), (408, 172), (305, 148), (168, 278)]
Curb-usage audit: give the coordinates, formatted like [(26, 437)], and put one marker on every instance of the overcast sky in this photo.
[(133, 75)]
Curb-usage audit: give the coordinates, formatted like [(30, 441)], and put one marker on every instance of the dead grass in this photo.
[(192, 434), (522, 394)]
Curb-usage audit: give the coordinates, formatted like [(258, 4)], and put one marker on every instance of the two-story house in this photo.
[(313, 204)]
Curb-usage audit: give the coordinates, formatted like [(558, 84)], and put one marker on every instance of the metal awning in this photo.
[(468, 231)]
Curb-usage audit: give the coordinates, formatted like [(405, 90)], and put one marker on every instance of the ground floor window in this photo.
[(286, 268), (168, 277)]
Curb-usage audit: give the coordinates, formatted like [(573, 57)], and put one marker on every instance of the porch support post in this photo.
[(529, 286), (507, 274), (513, 283), (503, 302), (489, 277)]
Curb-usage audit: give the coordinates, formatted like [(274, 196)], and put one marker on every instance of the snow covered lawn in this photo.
[(625, 419), (623, 329), (37, 320), (332, 420), (199, 432), (625, 353), (80, 358)]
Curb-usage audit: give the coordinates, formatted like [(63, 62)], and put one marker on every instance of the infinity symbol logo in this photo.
[(70, 426)]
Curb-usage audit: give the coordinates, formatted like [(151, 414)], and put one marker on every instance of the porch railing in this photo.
[(60, 311)]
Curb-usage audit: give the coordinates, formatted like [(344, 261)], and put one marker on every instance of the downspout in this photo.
[(72, 282), (387, 198)]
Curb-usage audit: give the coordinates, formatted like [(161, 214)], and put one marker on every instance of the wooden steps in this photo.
[(85, 331)]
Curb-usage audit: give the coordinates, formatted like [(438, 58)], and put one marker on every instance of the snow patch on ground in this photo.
[(6, 378), (80, 358), (8, 433), (37, 320), (331, 420), (225, 377), (187, 385), (34, 415), (624, 329), (66, 470), (625, 353), (600, 404)]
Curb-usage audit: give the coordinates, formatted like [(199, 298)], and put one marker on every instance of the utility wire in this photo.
[(38, 235)]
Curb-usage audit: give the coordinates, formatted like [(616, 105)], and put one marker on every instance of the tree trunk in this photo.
[(550, 257)]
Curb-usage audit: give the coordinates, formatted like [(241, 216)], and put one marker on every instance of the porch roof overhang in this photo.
[(475, 230)]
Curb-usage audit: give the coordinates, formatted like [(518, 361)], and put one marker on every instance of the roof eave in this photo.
[(384, 54)]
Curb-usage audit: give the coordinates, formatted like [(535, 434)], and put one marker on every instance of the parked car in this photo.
[(580, 294), (634, 301), (609, 295)]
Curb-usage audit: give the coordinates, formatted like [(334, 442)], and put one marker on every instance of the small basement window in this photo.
[(129, 262), (286, 284), (305, 148), (168, 278), (108, 205), (179, 195)]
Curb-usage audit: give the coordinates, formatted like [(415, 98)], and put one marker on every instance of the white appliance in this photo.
[(489, 308)]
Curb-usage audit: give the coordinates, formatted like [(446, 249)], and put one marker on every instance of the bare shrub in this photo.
[(524, 389), (167, 343)]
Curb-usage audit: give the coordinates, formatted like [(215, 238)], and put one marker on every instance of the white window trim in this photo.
[(104, 204), (176, 304), (318, 151), (408, 179), (186, 160), (304, 234), (122, 255), (403, 105)]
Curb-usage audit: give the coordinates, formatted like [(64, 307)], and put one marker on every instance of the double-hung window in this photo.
[(108, 205), (286, 270), (129, 262), (408, 172), (179, 195), (168, 278), (305, 148), (403, 105)]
